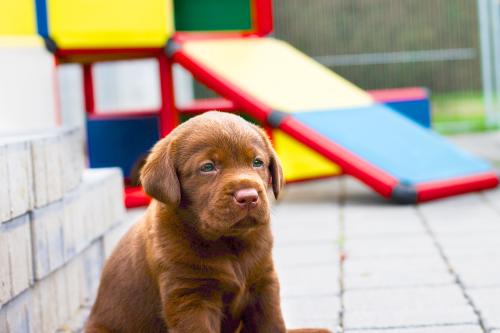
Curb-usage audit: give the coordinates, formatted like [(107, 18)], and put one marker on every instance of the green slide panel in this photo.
[(213, 15)]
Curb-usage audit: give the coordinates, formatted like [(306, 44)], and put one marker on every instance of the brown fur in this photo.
[(197, 262)]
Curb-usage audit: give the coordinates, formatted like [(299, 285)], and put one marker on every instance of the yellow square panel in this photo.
[(81, 24), (276, 74), (17, 17), (300, 162)]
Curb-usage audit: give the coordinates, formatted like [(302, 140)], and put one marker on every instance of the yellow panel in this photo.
[(300, 162), (76, 24), (277, 74), (17, 17)]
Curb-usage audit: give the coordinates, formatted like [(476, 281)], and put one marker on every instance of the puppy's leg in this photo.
[(187, 309), (264, 314)]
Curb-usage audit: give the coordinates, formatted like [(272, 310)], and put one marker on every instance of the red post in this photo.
[(263, 17), (88, 89), (169, 117)]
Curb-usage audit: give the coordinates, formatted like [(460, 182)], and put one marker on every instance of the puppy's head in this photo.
[(216, 169)]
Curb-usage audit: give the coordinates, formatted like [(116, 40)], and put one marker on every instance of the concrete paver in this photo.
[(428, 329), (396, 272), (487, 301), (383, 308)]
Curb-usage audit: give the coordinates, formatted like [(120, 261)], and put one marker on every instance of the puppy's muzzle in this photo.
[(246, 198)]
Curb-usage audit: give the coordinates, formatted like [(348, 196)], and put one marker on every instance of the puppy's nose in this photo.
[(246, 198)]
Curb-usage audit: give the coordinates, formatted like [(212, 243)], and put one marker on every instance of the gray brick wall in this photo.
[(57, 222)]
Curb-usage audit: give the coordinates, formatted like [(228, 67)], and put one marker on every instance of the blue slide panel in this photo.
[(410, 153), (417, 110), (120, 142)]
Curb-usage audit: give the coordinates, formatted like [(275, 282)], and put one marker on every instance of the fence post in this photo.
[(486, 62), (495, 33)]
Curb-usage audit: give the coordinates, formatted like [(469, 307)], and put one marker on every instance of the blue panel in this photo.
[(120, 142), (393, 143), (417, 110), (41, 18)]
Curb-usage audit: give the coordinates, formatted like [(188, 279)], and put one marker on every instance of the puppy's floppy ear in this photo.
[(275, 169), (276, 174), (159, 177)]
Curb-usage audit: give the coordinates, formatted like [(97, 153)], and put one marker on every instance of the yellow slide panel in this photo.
[(17, 17), (277, 74), (299, 162), (83, 24)]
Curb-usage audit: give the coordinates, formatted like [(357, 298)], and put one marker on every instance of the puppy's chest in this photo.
[(237, 292)]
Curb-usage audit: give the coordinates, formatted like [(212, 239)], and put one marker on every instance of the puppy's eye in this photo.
[(207, 167), (257, 163)]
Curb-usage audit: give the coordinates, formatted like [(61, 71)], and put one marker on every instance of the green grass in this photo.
[(454, 113)]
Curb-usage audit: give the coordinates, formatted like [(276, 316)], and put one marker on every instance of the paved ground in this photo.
[(352, 262)]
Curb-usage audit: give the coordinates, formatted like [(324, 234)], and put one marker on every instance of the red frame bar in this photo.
[(169, 117), (206, 104), (257, 109), (263, 17), (399, 94), (350, 163), (88, 89), (440, 189), (379, 180)]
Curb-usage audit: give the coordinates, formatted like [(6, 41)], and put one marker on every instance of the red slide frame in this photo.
[(383, 183)]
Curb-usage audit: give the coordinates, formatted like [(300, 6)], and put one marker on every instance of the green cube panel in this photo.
[(213, 15)]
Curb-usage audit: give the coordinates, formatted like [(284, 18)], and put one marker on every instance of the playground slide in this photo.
[(276, 83)]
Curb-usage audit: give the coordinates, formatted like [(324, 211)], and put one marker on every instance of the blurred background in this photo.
[(451, 47)]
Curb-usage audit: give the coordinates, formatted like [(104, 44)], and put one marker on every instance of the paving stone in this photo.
[(92, 262), (300, 312), (73, 272), (40, 166), (19, 176), (396, 272), (3, 320), (476, 270), (306, 255), (309, 281), (60, 291), (113, 236), (5, 283), (493, 198), (382, 308), (77, 322), (48, 239), (356, 193), (461, 215), (72, 158), (487, 301), (429, 329), (45, 297), (296, 224), (381, 221), (387, 247), (484, 145), (4, 189), (20, 259), (54, 168), (325, 191), (18, 315)]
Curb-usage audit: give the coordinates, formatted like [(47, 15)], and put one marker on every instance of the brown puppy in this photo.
[(200, 259)]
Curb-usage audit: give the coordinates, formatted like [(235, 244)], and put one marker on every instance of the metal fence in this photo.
[(449, 46), (489, 17)]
